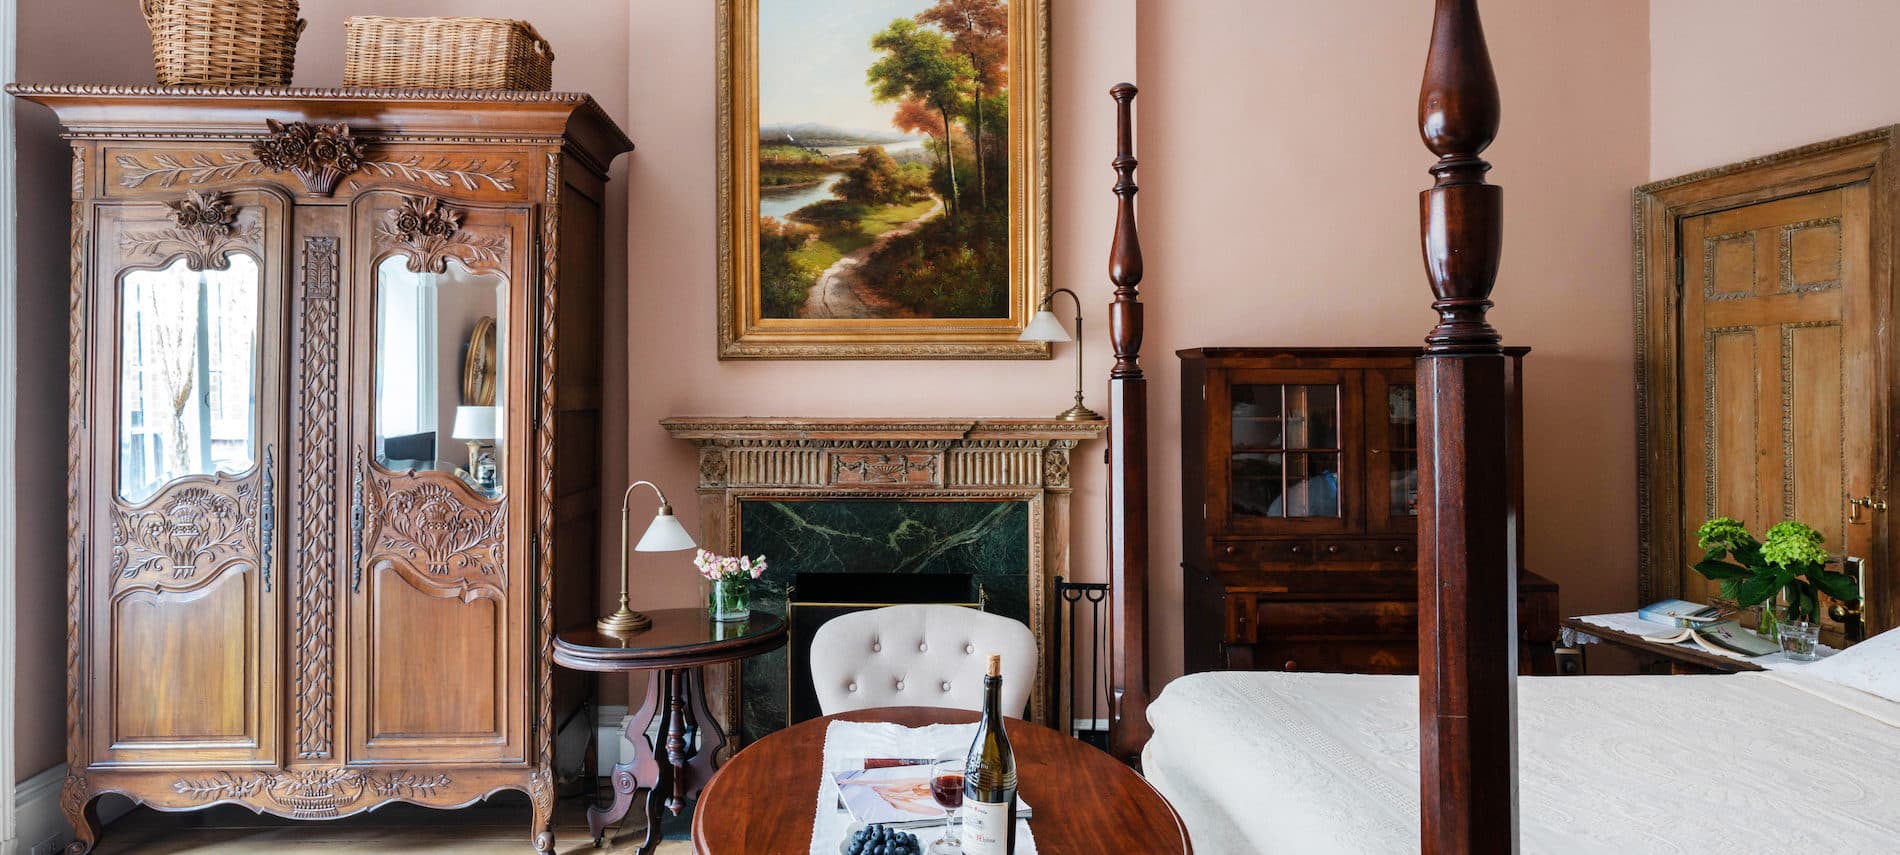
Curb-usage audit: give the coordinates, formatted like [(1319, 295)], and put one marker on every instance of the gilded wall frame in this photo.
[(745, 332)]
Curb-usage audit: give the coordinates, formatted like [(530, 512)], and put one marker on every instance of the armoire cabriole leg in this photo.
[(541, 795), (81, 808), (1467, 588)]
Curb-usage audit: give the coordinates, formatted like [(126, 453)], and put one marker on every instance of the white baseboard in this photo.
[(610, 744), (38, 818), (36, 811)]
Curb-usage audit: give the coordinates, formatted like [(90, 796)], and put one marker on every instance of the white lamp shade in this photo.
[(665, 534), (474, 423), (1044, 327)]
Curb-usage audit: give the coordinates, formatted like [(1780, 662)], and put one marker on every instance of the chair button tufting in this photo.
[(969, 648), (850, 687), (946, 687), (900, 685), (922, 647), (875, 647)]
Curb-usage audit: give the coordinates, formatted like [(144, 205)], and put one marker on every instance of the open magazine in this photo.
[(1723, 636), (894, 792)]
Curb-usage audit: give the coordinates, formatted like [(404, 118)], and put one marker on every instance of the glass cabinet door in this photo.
[(1287, 456), (1392, 450)]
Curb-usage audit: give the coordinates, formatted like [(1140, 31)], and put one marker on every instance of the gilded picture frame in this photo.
[(747, 330)]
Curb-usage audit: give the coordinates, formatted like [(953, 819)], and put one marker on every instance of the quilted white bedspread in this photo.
[(1328, 763)]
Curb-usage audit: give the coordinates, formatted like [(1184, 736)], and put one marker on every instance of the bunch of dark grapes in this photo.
[(883, 840)]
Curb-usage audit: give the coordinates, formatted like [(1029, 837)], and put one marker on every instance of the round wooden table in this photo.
[(1084, 801), (677, 645)]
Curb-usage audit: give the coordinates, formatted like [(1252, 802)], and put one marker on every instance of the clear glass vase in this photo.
[(730, 599), (1772, 615)]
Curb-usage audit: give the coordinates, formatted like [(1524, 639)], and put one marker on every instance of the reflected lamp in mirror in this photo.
[(663, 534), (1043, 326), (474, 425)]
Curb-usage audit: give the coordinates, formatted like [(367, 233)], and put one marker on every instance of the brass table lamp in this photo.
[(664, 534), (1044, 327)]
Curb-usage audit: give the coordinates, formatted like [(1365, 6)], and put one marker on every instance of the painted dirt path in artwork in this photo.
[(841, 292)]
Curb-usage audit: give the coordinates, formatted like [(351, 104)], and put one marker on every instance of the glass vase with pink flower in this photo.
[(731, 576)]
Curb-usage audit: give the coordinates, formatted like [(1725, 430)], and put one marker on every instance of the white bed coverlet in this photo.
[(1328, 763)]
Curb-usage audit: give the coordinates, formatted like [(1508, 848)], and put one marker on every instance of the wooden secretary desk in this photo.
[(1299, 496), (334, 442)]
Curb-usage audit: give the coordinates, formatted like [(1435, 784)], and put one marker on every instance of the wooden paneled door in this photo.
[(1777, 351), (1764, 357)]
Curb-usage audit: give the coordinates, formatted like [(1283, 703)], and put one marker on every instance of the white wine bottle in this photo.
[(989, 777)]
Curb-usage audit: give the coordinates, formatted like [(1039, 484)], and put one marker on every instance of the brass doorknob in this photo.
[(1869, 502)]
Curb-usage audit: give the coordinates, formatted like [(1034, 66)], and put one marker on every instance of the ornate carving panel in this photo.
[(207, 524), (898, 468), (430, 233), (165, 170), (204, 228), (319, 155), (316, 497), (437, 536), (310, 793)]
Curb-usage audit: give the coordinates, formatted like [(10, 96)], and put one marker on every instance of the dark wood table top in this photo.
[(1684, 654), (678, 638), (1085, 802)]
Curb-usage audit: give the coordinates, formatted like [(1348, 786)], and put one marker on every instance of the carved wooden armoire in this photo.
[(334, 454)]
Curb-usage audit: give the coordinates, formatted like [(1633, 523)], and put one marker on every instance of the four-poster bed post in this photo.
[(1466, 558), (1127, 460), (1466, 578)]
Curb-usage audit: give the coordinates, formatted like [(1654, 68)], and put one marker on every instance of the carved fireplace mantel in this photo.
[(792, 459)]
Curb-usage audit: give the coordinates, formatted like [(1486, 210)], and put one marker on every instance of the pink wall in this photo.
[(1280, 164), (1733, 79), (65, 41)]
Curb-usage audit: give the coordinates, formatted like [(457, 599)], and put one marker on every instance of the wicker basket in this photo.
[(223, 42), (446, 53)]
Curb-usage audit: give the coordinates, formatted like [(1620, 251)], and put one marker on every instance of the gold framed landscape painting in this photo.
[(884, 178)]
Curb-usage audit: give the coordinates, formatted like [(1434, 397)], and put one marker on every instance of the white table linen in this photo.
[(849, 743)]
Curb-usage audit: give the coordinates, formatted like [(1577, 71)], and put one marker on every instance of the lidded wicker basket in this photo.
[(223, 42), (446, 53)]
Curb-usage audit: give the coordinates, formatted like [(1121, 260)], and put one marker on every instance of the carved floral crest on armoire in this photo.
[(293, 584)]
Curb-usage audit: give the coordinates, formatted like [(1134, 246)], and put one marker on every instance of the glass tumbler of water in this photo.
[(1800, 640)]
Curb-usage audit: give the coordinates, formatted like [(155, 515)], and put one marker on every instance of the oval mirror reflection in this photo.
[(187, 374), (440, 344)]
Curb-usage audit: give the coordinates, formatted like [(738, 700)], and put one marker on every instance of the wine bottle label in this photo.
[(986, 827)]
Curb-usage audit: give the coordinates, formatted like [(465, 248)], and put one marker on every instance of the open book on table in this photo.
[(1723, 636)]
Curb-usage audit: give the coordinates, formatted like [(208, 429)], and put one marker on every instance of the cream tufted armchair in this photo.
[(919, 656)]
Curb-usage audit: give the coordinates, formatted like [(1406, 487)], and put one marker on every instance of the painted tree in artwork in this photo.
[(921, 65), (979, 30)]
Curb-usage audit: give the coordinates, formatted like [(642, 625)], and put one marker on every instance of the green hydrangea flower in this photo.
[(1723, 533), (1791, 544)]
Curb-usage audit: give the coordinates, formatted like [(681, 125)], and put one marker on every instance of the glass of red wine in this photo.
[(946, 787)]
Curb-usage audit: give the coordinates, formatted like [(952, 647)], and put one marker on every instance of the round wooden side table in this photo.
[(678, 644), (1083, 800)]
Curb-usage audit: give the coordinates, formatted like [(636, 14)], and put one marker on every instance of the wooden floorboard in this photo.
[(500, 828)]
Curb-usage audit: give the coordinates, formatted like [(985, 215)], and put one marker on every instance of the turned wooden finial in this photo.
[(1124, 259), (1460, 217)]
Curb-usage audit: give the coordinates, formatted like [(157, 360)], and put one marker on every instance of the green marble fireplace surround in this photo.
[(984, 497)]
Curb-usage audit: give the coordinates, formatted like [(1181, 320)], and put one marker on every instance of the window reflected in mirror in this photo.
[(188, 374), (440, 340)]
